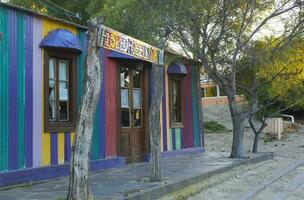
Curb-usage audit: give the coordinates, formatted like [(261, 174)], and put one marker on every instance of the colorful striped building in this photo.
[(41, 78)]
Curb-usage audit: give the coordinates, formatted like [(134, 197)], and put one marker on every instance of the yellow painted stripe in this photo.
[(167, 109), (60, 148), (72, 138), (49, 25)]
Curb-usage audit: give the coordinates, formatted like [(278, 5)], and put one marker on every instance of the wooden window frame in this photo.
[(65, 54), (172, 123)]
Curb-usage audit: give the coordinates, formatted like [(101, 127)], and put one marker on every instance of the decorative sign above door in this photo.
[(114, 40)]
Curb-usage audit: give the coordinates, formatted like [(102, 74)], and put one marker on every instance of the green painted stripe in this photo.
[(80, 67), (178, 138), (196, 138), (21, 89), (4, 64), (95, 137)]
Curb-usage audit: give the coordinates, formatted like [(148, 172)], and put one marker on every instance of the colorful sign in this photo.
[(114, 40)]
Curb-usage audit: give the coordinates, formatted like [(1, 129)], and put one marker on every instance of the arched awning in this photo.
[(61, 38), (177, 68)]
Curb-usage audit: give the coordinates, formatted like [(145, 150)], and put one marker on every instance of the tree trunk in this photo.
[(79, 166), (200, 111), (154, 122), (255, 142), (238, 119), (237, 149)]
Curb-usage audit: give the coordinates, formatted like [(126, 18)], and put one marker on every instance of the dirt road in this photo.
[(278, 179)]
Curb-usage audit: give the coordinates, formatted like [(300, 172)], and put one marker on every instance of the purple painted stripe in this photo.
[(12, 114), (67, 145), (102, 136), (164, 112), (54, 148), (186, 124), (37, 91), (28, 125)]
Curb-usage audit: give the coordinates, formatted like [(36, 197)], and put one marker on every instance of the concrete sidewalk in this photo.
[(132, 181)]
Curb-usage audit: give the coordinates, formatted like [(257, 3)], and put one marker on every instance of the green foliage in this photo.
[(279, 72), (213, 126)]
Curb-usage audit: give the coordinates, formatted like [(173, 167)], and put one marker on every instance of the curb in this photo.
[(161, 190)]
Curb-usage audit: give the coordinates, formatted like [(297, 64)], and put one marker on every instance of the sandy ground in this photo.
[(277, 179)]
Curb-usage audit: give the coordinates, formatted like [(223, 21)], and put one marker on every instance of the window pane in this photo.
[(52, 91), (136, 79), (63, 66), (124, 77), (51, 68), (125, 117), (136, 98), (63, 91), (137, 118), (63, 110), (176, 101), (124, 96)]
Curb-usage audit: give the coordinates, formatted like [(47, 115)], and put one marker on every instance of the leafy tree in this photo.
[(289, 86), (280, 78)]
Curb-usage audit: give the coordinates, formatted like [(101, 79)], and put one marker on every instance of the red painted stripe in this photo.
[(110, 105)]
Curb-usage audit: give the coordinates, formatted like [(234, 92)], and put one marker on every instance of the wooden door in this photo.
[(132, 112)]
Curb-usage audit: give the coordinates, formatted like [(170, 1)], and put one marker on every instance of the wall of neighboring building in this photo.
[(212, 95), (188, 136)]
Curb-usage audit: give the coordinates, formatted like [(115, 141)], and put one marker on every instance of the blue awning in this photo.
[(115, 54), (177, 68), (61, 38)]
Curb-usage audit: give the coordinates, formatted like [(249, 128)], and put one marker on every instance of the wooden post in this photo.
[(154, 121), (79, 166)]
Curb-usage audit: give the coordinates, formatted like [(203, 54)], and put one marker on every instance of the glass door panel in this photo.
[(124, 96), (137, 104)]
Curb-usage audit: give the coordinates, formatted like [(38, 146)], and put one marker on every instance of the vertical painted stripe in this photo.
[(185, 134), (102, 139), (13, 141), (173, 138), (37, 92), (4, 71), (110, 105), (67, 145), (28, 114), (54, 148), (195, 120), (60, 148), (20, 89), (187, 110), (72, 138), (169, 146), (177, 138), (164, 113), (81, 64), (181, 138), (95, 137)]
